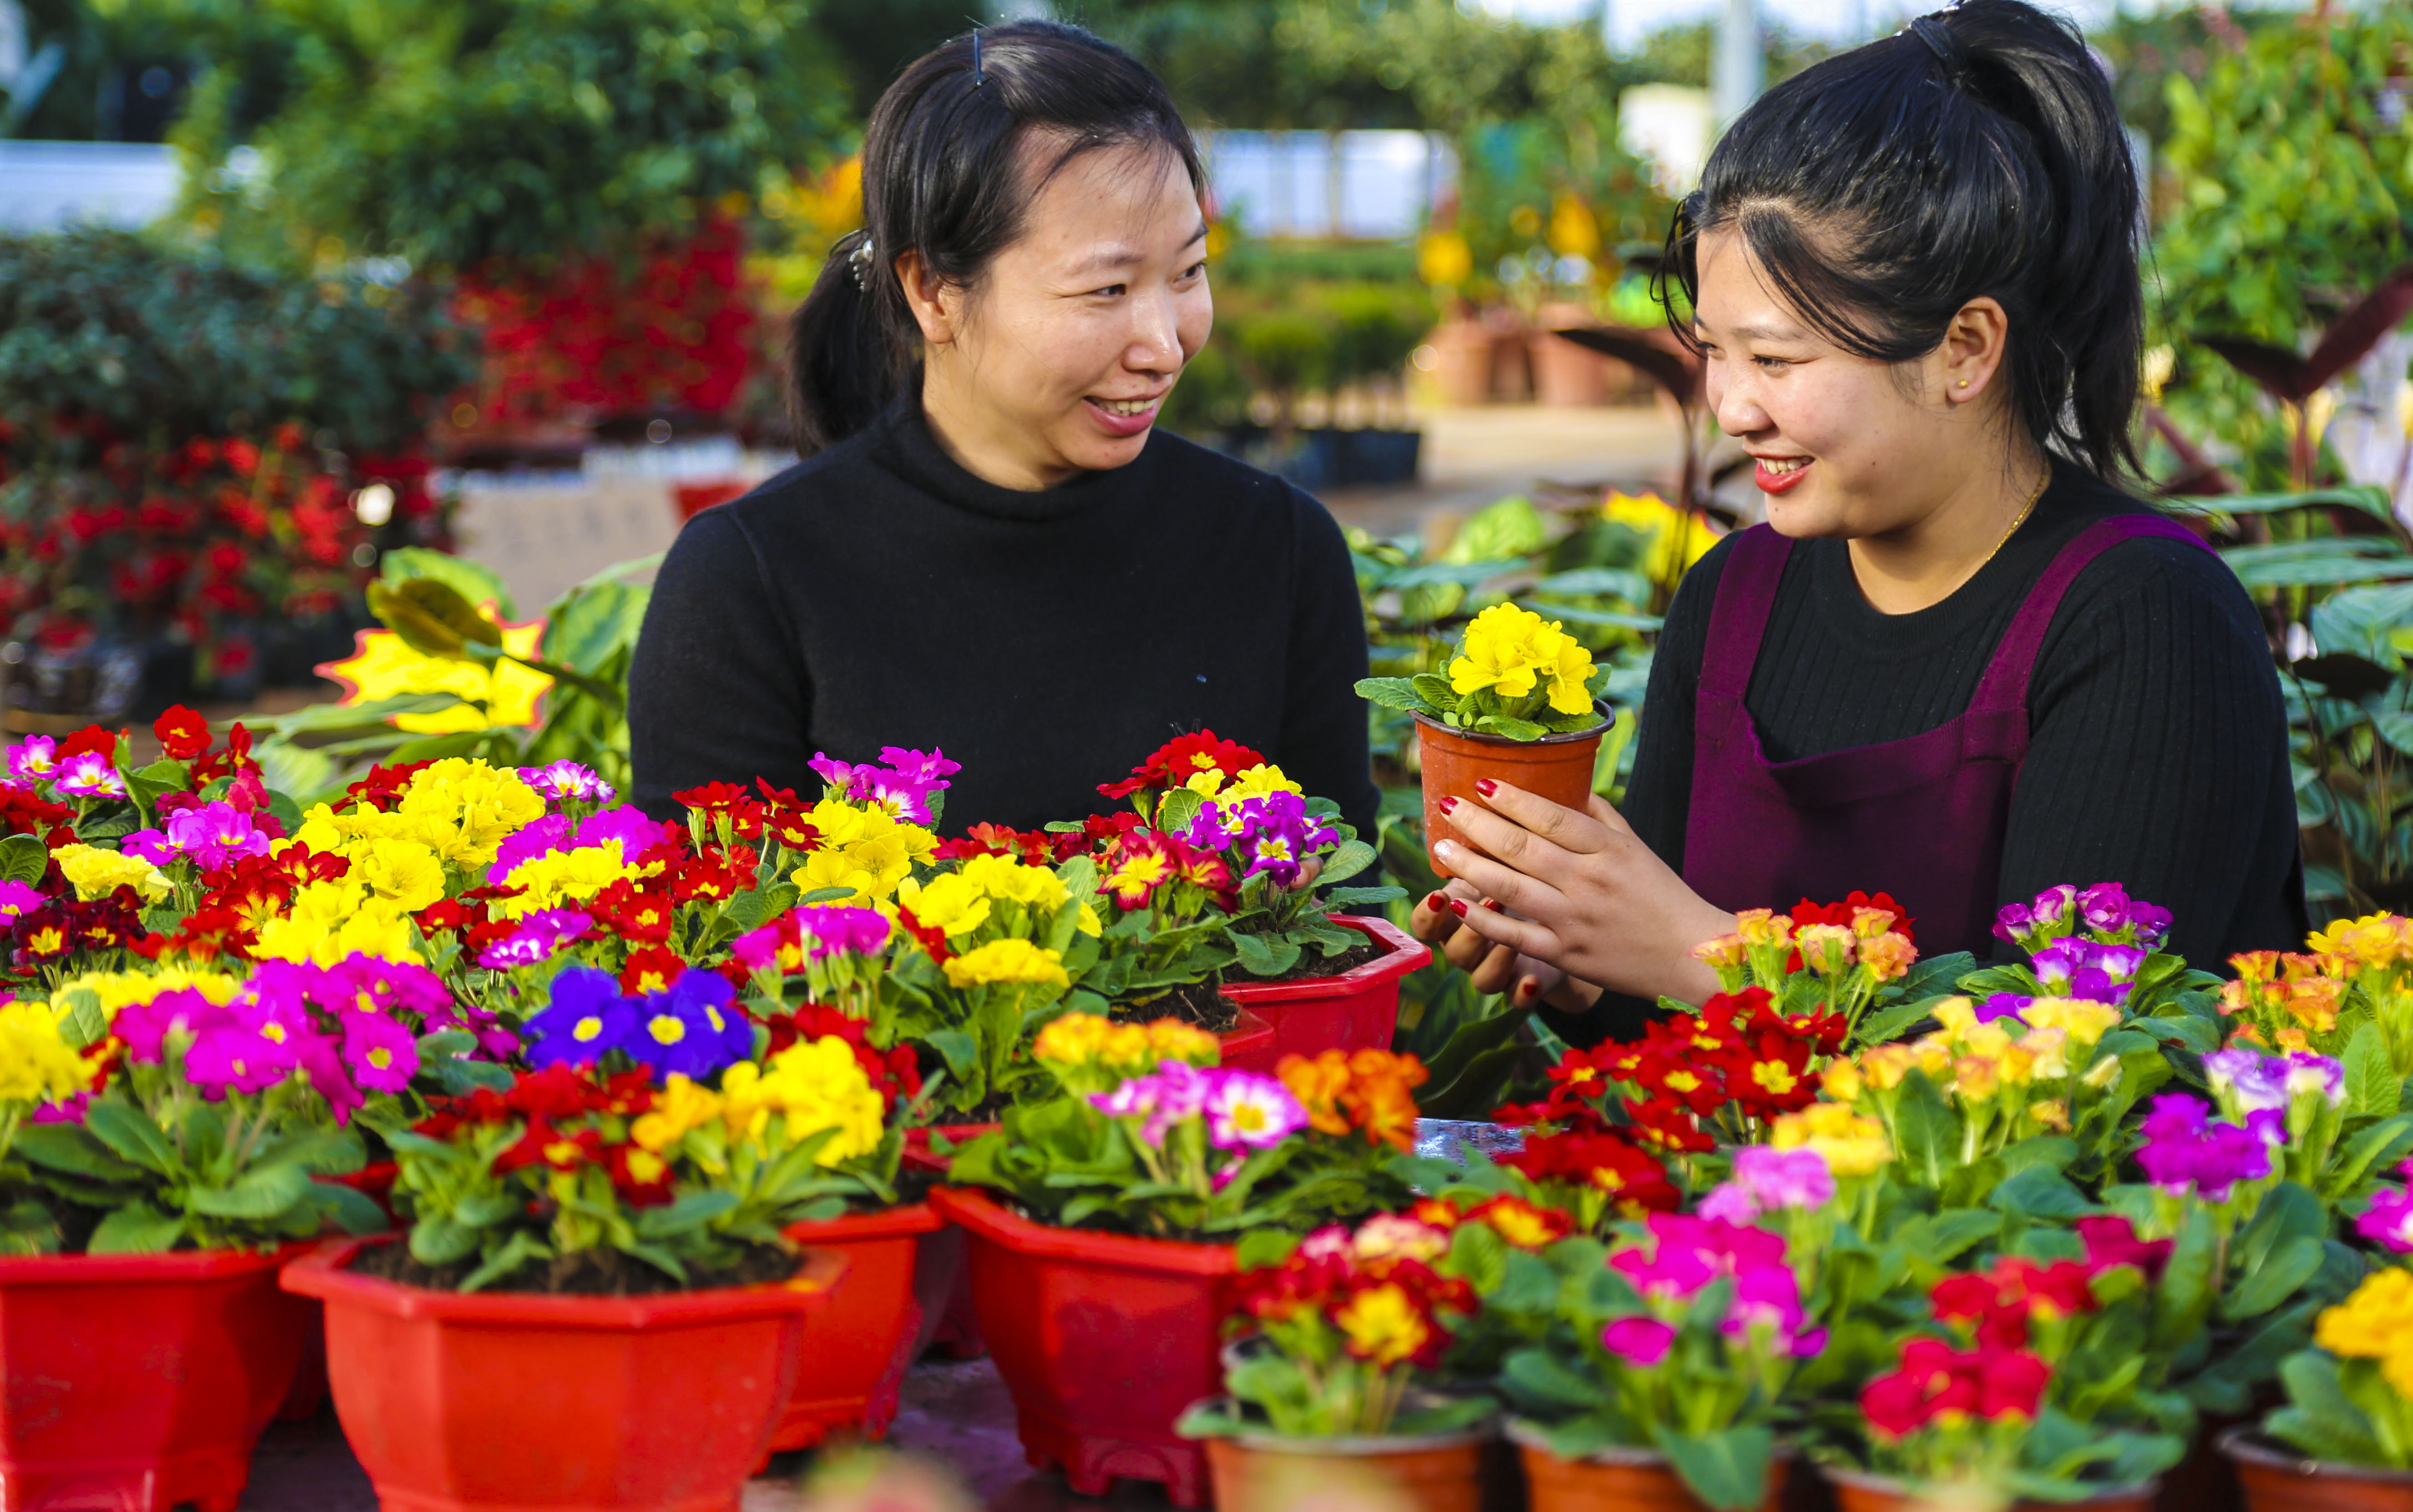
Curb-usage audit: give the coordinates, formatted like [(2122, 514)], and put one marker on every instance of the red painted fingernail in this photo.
[(1435, 902), (1458, 907), (1484, 787), (1445, 806), (1493, 904)]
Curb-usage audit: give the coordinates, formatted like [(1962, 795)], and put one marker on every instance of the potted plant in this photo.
[(2038, 1383), (162, 1146), (1334, 1372), (1217, 820), (2350, 1417), (599, 1304), (1517, 704), (1103, 1248)]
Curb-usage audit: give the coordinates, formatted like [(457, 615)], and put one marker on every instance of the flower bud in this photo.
[(1974, 1078), (1763, 926), (1867, 924), (1725, 953), (2051, 1113), (1825, 948), (2104, 1074)]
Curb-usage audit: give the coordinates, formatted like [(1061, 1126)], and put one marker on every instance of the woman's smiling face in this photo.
[(1059, 360), (1844, 445)]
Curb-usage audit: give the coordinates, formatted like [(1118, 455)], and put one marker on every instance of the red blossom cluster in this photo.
[(1032, 848), (1580, 1168), (586, 334), (1841, 915), (1137, 865), (1181, 759), (778, 814), (1526, 1225), (61, 927), (547, 1099), (206, 535), (1995, 1373), (1377, 1290), (237, 899)]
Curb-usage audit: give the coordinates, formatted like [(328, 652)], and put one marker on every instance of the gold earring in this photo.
[(1965, 383)]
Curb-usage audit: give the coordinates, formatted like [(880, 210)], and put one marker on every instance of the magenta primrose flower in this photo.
[(209, 834), (1642, 1343), (566, 781), (538, 937), (2389, 1221), (1249, 1111), (35, 757), (2188, 1152), (1766, 1180), (380, 1054), (90, 774), (903, 786), (1687, 1254), (1174, 1093), (835, 928), (17, 900)]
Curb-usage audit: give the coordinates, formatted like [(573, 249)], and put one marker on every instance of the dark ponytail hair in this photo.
[(1978, 151), (943, 174)]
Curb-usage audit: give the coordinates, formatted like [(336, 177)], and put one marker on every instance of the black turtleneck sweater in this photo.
[(2157, 751), (878, 594)]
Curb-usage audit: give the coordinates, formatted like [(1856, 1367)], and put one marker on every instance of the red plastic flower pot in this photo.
[(138, 1382), (307, 1397), (537, 1403), (1250, 1044), (855, 1350), (1104, 1339), (918, 1155), (1356, 1009)]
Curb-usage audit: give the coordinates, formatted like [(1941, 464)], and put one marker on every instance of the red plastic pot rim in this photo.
[(129, 1269), (975, 1211), (886, 1223), (321, 1273), (1407, 953)]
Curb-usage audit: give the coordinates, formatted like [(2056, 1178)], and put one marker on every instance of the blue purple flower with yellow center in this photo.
[(1270, 835)]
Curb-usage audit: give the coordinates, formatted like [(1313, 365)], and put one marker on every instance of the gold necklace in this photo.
[(2025, 510)]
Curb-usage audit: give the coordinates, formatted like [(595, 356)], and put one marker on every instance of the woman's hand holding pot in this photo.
[(1579, 892), (1493, 968)]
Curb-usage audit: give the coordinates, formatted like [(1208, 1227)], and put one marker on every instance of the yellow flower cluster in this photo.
[(2370, 942), (329, 920), (121, 989), (2009, 1079), (1089, 1040), (811, 1086), (97, 874), (1008, 960), (1512, 651), (865, 850), (1853, 1144), (960, 901), (561, 878), (2375, 1323), (1251, 782), (36, 1065)]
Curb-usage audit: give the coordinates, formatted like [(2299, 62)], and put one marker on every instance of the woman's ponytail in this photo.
[(1976, 153), (847, 359), (945, 176)]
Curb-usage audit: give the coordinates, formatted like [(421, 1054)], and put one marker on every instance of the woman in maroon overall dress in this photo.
[(1957, 664)]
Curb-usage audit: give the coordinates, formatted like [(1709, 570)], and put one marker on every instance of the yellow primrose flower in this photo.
[(2375, 940), (1885, 1065), (2374, 1323), (1975, 1079), (1959, 1015), (1007, 960), (1570, 676), (950, 902), (470, 806), (97, 874), (1002, 876), (2051, 1114), (865, 850), (1505, 649), (1257, 782), (1763, 926), (403, 873), (1989, 1040), (1677, 538), (329, 920), (2048, 1049), (812, 1084), (1382, 1326), (2084, 1022), (120, 989), (2104, 1074), (1825, 948), (1852, 1145), (1170, 1039), (36, 1065), (681, 1104), (1889, 957), (1841, 1081), (563, 878), (384, 667), (1725, 953), (317, 832), (1088, 923)]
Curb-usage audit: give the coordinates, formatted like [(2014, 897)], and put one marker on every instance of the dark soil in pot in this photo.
[(586, 1273)]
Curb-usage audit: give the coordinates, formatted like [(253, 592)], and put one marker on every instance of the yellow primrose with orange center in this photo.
[(1383, 1326), (2085, 1022)]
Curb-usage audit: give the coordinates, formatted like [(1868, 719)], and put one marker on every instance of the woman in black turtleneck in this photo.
[(989, 550)]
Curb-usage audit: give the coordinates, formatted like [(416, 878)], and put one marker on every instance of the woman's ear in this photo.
[(936, 306), (1972, 350)]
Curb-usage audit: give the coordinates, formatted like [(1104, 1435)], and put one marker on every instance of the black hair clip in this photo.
[(978, 78)]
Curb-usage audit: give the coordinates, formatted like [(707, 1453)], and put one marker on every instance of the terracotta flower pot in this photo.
[(1428, 1473), (1104, 1339), (1356, 1010), (854, 1351), (1557, 768), (2279, 1479), (1858, 1493), (537, 1404), (138, 1382), (1617, 1480)]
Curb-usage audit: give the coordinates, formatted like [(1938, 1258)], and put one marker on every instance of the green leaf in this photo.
[(2291, 1263), (521, 1248), (23, 858), (137, 1229), (68, 1149), (2372, 1090), (2378, 1147), (1353, 857), (1264, 956), (685, 1215), (1177, 808), (352, 1210), (438, 1240), (2040, 1192), (1728, 1470), (1510, 729), (2321, 1418), (85, 1022), (130, 1134), (1394, 693), (271, 1191), (2318, 562), (475, 583), (956, 1048)]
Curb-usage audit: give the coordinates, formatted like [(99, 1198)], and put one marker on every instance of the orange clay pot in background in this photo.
[(1856, 1492), (1616, 1480), (2278, 1478), (1431, 1473), (1557, 768)]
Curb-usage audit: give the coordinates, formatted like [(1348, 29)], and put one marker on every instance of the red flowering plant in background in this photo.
[(2036, 1377)]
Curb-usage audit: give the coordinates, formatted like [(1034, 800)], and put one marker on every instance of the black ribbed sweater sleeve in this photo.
[(2156, 752)]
